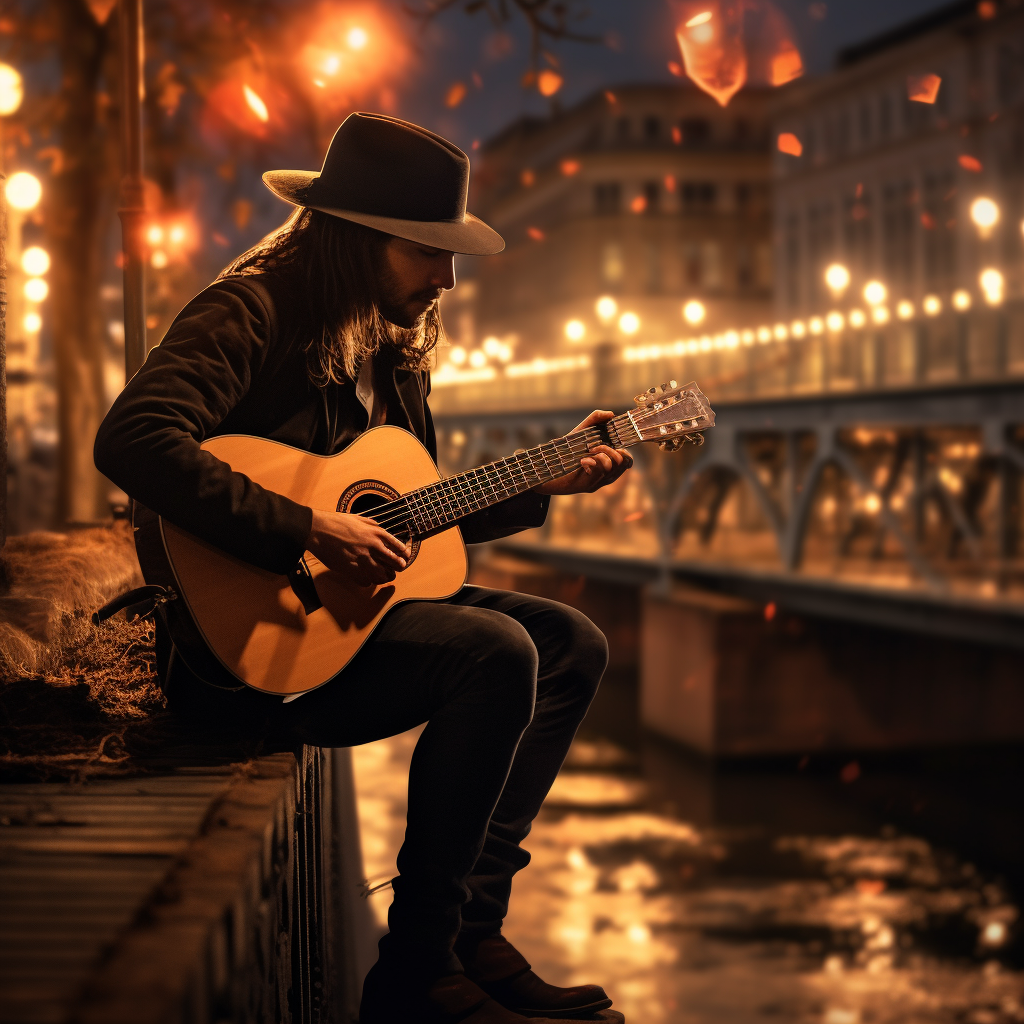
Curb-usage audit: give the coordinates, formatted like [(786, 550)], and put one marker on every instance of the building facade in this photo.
[(652, 196), (885, 183)]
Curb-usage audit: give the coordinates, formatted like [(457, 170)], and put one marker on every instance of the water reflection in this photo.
[(687, 922)]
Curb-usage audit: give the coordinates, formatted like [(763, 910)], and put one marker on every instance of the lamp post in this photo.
[(10, 100), (132, 208)]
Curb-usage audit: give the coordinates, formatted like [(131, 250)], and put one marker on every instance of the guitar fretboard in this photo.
[(437, 505)]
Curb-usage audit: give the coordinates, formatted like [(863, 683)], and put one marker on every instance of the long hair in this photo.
[(338, 268)]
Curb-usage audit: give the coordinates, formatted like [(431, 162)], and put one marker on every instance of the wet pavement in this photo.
[(762, 892)]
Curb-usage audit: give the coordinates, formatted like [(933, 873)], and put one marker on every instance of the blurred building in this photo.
[(885, 182), (650, 195)]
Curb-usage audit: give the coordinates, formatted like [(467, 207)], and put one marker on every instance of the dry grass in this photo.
[(75, 699)]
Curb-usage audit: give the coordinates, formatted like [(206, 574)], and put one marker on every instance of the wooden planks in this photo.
[(84, 870)]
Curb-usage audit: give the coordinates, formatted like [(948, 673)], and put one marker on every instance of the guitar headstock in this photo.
[(672, 415)]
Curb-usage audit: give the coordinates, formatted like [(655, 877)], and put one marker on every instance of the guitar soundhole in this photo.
[(362, 497)]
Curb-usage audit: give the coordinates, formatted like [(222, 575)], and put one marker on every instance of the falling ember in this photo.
[(786, 65), (713, 52), (549, 82), (256, 104), (788, 143), (570, 167), (610, 96), (675, 69), (455, 95), (969, 163), (535, 233), (769, 611), (923, 88)]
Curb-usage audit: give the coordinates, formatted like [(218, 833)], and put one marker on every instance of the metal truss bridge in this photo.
[(897, 507)]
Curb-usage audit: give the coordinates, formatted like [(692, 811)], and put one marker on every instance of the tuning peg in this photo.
[(652, 391), (664, 387), (672, 444), (673, 383), (640, 399)]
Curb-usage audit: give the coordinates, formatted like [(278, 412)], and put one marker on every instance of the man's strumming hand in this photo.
[(357, 548), (604, 465)]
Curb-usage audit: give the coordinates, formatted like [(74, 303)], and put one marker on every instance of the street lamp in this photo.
[(23, 191), (991, 282), (961, 300), (694, 312), (575, 330), (629, 323), (985, 214), (606, 308), (875, 293), (837, 277)]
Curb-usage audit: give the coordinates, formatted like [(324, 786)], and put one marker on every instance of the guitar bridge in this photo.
[(301, 581)]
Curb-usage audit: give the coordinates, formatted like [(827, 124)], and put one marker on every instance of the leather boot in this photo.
[(504, 974), (392, 998)]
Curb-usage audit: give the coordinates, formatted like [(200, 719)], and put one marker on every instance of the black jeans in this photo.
[(502, 680)]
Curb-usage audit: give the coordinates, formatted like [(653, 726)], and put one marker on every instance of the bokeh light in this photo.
[(23, 191), (11, 90), (35, 261), (961, 300), (694, 312), (606, 308), (36, 289), (629, 323), (875, 293), (575, 330)]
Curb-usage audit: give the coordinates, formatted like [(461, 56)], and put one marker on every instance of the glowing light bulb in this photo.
[(606, 308), (32, 323), (357, 38), (880, 314), (764, 334), (23, 190), (177, 234), (837, 277), (629, 323), (492, 346), (816, 325), (835, 321), (781, 332), (798, 328), (875, 293), (905, 309), (991, 281), (932, 305), (11, 90), (694, 312), (477, 359), (575, 330), (36, 289), (984, 213), (154, 234), (159, 260), (961, 300), (457, 356), (857, 318), (35, 261)]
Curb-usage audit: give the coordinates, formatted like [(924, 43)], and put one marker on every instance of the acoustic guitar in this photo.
[(234, 623)]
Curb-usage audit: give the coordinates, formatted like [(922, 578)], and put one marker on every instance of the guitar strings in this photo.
[(469, 487)]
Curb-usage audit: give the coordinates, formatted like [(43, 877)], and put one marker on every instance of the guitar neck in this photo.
[(437, 505)]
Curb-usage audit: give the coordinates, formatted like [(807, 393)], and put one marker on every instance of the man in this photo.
[(321, 330)]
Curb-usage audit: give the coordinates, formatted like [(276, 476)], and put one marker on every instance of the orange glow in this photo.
[(610, 96), (527, 177), (677, 135), (675, 69), (786, 64), (535, 233), (969, 163), (711, 42), (639, 204), (455, 95), (549, 82), (788, 143), (769, 611), (670, 183), (356, 38), (987, 10), (727, 43), (255, 103), (633, 517), (923, 88), (570, 167)]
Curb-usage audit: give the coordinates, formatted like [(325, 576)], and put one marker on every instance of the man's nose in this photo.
[(444, 272)]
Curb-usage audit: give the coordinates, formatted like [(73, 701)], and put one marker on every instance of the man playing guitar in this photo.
[(321, 331)]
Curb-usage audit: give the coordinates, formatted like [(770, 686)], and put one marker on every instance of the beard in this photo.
[(402, 308)]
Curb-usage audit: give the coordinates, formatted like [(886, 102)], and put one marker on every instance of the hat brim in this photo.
[(470, 236)]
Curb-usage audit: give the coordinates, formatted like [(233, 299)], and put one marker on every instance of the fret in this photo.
[(451, 498), (527, 484), (568, 462)]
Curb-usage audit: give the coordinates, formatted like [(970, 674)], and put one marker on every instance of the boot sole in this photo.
[(597, 1012)]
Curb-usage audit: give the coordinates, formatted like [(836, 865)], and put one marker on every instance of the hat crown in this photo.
[(390, 168)]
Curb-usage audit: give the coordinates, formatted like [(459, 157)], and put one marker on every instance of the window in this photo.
[(613, 265), (699, 196), (652, 254), (652, 196), (712, 257), (898, 217), (820, 247), (744, 265), (858, 237), (693, 264), (938, 221), (652, 129), (607, 197), (792, 260), (696, 131)]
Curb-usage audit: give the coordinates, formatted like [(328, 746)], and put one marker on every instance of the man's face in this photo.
[(415, 276)]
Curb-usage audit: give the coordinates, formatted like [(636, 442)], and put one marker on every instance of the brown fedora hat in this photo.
[(396, 177)]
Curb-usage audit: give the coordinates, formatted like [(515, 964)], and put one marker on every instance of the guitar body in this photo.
[(251, 619)]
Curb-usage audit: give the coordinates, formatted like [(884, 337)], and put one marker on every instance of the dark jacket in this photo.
[(234, 362)]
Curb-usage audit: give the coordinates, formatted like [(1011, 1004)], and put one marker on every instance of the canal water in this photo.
[(850, 890)]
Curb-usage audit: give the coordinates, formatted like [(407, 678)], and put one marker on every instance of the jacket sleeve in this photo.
[(149, 442), (523, 512)]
